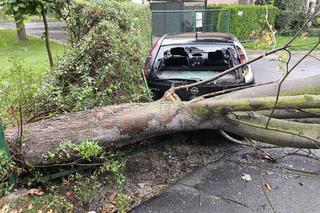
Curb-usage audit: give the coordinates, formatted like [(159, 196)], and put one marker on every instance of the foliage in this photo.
[(20, 8), (245, 20), (85, 150), (7, 168), (298, 45), (114, 167), (313, 32), (89, 149), (109, 43), (263, 2), (5, 188), (123, 203), (82, 183), (49, 202), (212, 18), (23, 64), (16, 94), (291, 15)]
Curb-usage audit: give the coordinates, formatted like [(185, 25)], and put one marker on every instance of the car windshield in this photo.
[(204, 57)]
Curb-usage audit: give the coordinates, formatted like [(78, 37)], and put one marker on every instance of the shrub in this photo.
[(313, 32), (244, 20), (17, 92), (212, 17), (291, 15), (109, 43)]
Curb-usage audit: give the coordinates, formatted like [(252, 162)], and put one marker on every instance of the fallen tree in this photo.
[(242, 112), (283, 113)]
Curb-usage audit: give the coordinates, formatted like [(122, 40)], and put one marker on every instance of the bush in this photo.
[(314, 32), (244, 20), (212, 18), (291, 15), (109, 43)]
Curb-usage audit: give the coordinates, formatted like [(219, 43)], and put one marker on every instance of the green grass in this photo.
[(32, 51), (297, 45)]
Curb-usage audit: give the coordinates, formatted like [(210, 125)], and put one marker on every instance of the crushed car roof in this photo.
[(194, 37)]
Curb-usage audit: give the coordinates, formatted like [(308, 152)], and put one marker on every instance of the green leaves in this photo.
[(86, 150), (22, 7), (109, 43), (234, 17), (89, 149)]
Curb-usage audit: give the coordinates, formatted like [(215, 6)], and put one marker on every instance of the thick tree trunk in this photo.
[(128, 123), (21, 30)]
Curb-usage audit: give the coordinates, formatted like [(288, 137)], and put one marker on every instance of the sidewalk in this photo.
[(291, 185)]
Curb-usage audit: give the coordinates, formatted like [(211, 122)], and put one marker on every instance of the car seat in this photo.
[(217, 59), (178, 57)]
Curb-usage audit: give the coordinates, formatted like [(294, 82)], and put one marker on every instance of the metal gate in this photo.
[(178, 21)]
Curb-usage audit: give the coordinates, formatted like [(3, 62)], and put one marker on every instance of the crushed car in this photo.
[(186, 58)]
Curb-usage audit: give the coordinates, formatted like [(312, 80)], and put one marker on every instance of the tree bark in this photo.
[(46, 36), (116, 126), (21, 30)]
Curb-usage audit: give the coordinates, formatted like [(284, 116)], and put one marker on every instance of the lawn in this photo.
[(298, 44), (32, 51)]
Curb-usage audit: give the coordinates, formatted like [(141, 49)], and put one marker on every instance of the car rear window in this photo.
[(204, 57)]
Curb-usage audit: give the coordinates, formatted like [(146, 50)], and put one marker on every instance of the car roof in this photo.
[(195, 37)]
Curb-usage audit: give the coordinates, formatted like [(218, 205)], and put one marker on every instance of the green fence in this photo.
[(179, 21)]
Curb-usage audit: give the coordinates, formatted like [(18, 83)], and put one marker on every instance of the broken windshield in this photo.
[(199, 57)]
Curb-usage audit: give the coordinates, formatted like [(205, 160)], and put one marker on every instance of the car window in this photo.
[(204, 57)]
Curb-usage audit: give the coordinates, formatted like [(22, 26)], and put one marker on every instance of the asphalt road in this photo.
[(270, 69), (291, 185)]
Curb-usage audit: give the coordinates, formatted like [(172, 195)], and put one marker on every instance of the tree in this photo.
[(291, 15), (285, 113), (20, 9), (241, 112)]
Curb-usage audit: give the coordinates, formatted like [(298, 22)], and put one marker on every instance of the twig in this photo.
[(287, 45), (261, 175), (273, 33), (227, 91), (285, 77), (232, 139), (227, 71), (312, 56)]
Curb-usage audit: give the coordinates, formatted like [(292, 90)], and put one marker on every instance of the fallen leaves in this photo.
[(267, 187), (110, 204), (246, 177), (32, 192), (30, 206)]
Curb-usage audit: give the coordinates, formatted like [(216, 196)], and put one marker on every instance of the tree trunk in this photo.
[(116, 126), (46, 35), (21, 30)]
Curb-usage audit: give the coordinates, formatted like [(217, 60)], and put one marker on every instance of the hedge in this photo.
[(109, 43), (244, 19)]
